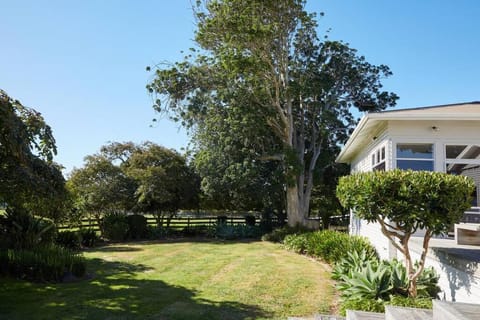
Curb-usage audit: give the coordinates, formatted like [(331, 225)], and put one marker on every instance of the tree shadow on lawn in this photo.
[(115, 293)]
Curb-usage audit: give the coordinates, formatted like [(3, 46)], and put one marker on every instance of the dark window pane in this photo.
[(417, 151), (452, 152), (416, 165), (462, 152)]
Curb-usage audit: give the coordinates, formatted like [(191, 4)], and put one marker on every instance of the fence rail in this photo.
[(177, 223)]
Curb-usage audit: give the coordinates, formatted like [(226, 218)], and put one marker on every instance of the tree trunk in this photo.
[(295, 212)]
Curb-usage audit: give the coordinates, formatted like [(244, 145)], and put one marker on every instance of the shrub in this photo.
[(228, 232), (250, 220), (371, 282), (45, 263), (400, 301), (137, 225), (156, 232), (222, 220), (115, 226), (328, 245), (89, 237), (296, 242), (410, 200), (69, 239), (278, 235), (195, 231), (353, 262), (22, 230), (370, 305)]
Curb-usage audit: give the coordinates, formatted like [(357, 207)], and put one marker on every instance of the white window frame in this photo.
[(409, 142)]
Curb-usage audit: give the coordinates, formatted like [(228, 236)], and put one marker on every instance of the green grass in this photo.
[(179, 280)]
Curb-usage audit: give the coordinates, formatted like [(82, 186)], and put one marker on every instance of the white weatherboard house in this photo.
[(441, 138)]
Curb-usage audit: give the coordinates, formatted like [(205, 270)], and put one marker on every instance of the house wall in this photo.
[(459, 279)]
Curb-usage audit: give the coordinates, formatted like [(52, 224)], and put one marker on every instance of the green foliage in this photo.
[(29, 179), (372, 305), (115, 226), (89, 237), (279, 234), (371, 282), (100, 187), (328, 245), (69, 239), (165, 183), (369, 305), (233, 232), (158, 232), (411, 199), (21, 230), (401, 301), (259, 67), (44, 263), (406, 201), (222, 220), (354, 261), (137, 226), (250, 220), (296, 242)]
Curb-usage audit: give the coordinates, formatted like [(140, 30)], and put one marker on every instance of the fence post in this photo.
[(188, 223)]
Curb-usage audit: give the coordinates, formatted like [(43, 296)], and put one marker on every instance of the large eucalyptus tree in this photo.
[(263, 57)]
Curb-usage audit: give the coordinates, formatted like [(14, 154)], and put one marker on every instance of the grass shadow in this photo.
[(117, 291)]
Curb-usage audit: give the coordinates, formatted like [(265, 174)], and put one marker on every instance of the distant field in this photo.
[(179, 280)]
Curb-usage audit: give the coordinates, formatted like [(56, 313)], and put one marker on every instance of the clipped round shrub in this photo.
[(250, 220), (115, 226), (137, 225), (69, 239)]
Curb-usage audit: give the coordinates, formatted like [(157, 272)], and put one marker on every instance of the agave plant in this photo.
[(354, 262), (371, 282)]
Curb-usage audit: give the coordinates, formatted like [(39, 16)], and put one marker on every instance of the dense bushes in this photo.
[(369, 284), (44, 263), (21, 230), (89, 237), (232, 232), (279, 234), (366, 282), (69, 239), (115, 226), (327, 245), (137, 226)]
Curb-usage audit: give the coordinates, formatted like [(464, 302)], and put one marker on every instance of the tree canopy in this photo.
[(128, 177), (263, 59), (403, 202), (29, 178)]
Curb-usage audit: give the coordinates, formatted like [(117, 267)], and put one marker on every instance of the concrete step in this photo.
[(364, 315), (403, 313), (444, 310)]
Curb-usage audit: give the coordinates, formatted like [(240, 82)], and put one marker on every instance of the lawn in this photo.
[(179, 280)]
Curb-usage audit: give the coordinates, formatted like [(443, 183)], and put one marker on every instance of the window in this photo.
[(464, 159), (378, 159), (415, 156)]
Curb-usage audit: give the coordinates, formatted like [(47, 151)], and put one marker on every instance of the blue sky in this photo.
[(82, 63)]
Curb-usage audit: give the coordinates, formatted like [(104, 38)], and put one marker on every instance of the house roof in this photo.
[(371, 122)]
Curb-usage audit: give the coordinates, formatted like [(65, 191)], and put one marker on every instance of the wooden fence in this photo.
[(177, 223)]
